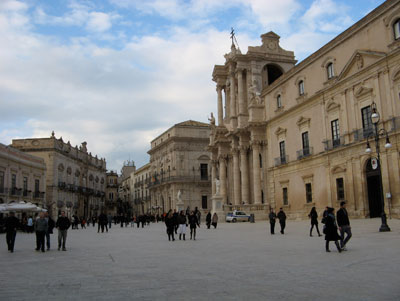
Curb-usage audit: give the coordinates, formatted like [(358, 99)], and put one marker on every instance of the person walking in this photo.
[(11, 224), (41, 228), (175, 216), (50, 226), (30, 224), (182, 220), (208, 220), (109, 219), (214, 220), (194, 223), (344, 225), (272, 220), (314, 220), (63, 223), (330, 230), (282, 220), (198, 214), (170, 224)]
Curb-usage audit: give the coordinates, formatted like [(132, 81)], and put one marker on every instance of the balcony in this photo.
[(178, 179), (304, 153), (16, 191), (61, 185), (38, 195), (331, 144), (281, 160), (361, 134)]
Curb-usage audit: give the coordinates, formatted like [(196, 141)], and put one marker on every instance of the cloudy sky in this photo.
[(117, 73)]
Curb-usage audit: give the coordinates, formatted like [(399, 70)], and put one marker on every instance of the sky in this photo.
[(118, 73)]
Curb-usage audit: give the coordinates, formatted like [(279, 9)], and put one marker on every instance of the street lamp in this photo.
[(379, 133)]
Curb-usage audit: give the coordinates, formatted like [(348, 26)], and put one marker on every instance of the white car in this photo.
[(237, 216)]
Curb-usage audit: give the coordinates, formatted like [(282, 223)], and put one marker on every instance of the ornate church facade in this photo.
[(295, 136)]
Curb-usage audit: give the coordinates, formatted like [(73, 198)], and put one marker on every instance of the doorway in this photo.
[(374, 190)]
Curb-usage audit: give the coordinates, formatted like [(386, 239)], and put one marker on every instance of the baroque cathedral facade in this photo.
[(295, 136)]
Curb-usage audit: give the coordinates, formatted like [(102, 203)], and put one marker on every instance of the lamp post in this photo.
[(379, 133)]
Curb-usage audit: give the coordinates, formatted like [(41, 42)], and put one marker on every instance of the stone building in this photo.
[(294, 136), (179, 161), (75, 180), (140, 193), (111, 192), (22, 177), (125, 202)]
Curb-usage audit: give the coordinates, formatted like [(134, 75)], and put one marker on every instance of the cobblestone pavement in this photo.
[(234, 262)]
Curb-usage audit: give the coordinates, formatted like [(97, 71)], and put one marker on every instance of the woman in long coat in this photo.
[(194, 223), (330, 230), (214, 220), (170, 223), (314, 220)]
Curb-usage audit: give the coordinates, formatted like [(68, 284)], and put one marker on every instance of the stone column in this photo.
[(227, 100), (220, 106), (213, 176), (222, 178), (242, 107), (236, 176), (244, 167), (233, 96), (256, 171)]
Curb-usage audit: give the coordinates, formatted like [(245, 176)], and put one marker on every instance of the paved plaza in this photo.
[(234, 262)]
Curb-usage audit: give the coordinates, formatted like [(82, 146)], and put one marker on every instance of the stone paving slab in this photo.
[(233, 262)]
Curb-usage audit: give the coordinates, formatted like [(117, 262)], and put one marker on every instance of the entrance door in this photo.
[(374, 190)]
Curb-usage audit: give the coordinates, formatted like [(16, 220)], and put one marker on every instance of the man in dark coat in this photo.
[(63, 223), (208, 220), (50, 226), (11, 224), (282, 220), (344, 225), (272, 219), (102, 222), (175, 219), (330, 230)]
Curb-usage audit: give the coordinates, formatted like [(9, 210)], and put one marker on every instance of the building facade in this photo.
[(179, 162), (75, 180), (141, 193), (22, 177), (294, 136), (125, 201), (112, 192)]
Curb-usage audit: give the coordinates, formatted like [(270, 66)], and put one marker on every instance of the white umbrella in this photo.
[(21, 206)]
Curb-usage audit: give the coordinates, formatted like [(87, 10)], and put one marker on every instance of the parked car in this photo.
[(237, 216)]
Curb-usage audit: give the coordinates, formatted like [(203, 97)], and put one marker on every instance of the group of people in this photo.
[(331, 225), (177, 223), (43, 226)]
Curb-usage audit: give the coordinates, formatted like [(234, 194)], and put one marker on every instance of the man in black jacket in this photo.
[(62, 225), (50, 227), (344, 225), (11, 225), (272, 218), (282, 220)]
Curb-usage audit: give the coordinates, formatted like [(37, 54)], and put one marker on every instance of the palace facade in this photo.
[(179, 161), (75, 180), (295, 136)]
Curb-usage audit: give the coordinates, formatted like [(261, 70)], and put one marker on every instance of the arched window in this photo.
[(279, 101), (329, 69), (301, 87), (396, 29)]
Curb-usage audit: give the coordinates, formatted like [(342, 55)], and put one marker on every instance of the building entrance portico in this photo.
[(374, 190)]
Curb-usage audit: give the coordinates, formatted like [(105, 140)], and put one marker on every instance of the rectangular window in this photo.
[(204, 201), (396, 30), (306, 144), (282, 151), (301, 88), (279, 101), (13, 181), (25, 186), (330, 71), (335, 132), (366, 118), (204, 171), (1, 181), (308, 193), (37, 184), (285, 196), (111, 196), (340, 188)]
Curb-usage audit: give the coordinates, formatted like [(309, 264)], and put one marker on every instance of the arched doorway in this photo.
[(374, 190)]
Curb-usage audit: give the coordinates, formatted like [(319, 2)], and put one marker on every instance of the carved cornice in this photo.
[(303, 121)]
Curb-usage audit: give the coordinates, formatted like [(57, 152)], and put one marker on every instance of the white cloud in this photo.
[(98, 22)]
